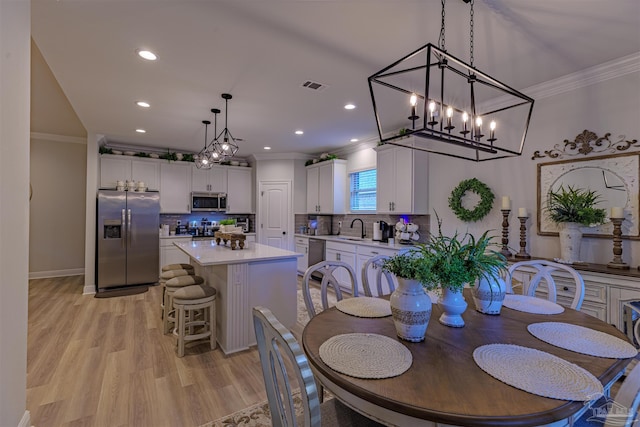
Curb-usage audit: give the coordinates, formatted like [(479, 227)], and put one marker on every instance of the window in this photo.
[(363, 190)]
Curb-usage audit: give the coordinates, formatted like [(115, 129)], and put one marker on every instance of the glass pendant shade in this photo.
[(203, 159)]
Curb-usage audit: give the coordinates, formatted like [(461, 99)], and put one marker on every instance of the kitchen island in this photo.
[(256, 275)]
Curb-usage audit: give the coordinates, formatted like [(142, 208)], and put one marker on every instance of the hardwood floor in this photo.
[(105, 362)]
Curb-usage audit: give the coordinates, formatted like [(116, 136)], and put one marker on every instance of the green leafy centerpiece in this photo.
[(448, 263), (572, 208)]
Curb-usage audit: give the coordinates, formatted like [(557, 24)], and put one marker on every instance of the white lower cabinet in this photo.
[(335, 251), (170, 254), (302, 247), (365, 253)]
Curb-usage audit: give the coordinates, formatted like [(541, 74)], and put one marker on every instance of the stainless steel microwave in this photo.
[(208, 202)]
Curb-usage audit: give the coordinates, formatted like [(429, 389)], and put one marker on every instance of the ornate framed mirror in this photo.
[(615, 177)]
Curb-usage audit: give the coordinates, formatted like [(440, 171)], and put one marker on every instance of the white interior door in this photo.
[(275, 214)]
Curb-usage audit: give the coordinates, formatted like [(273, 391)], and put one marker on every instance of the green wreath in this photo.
[(481, 210)]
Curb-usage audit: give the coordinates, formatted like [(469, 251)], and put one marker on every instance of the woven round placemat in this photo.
[(369, 356), (537, 372), (582, 340), (533, 305), (365, 307)]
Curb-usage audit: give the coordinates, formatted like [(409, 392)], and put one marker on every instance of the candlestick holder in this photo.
[(617, 245), (505, 233), (523, 238)]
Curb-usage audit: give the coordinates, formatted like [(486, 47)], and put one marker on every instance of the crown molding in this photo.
[(359, 146), (596, 74), (58, 138)]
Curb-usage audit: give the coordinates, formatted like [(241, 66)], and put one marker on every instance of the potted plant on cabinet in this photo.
[(448, 263), (572, 208)]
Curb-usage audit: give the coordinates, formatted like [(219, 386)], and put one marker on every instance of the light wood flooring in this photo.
[(105, 362)]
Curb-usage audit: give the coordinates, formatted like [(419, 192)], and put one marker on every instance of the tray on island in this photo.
[(234, 239)]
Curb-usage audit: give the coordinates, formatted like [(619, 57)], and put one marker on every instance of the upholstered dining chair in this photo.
[(327, 269), (277, 344), (622, 411), (541, 270), (374, 265)]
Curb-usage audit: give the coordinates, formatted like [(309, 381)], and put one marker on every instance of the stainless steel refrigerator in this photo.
[(127, 241)]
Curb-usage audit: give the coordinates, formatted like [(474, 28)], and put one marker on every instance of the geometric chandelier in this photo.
[(226, 147), (448, 106)]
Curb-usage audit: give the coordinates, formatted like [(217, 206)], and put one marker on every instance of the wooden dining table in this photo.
[(444, 384)]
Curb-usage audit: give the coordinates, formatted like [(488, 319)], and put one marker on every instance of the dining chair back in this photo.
[(542, 270), (282, 358), (374, 266), (329, 279), (621, 411)]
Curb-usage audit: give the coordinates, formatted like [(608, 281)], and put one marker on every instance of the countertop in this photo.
[(207, 252), (356, 241), (182, 236)]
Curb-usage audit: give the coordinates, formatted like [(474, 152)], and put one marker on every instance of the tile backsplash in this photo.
[(302, 220)]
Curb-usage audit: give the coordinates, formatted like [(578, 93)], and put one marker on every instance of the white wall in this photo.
[(15, 29), (58, 179), (608, 106)]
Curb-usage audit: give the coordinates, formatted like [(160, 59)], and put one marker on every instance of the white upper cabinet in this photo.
[(175, 187), (326, 187), (402, 176), (239, 190), (124, 168), (212, 180)]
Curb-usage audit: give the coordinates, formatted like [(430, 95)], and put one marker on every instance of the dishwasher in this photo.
[(316, 254)]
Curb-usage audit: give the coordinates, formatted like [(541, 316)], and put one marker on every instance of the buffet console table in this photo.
[(606, 290)]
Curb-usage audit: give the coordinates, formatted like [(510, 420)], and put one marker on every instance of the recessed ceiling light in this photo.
[(146, 54), (354, 139), (349, 107), (299, 132), (143, 104), (141, 131), (267, 148)]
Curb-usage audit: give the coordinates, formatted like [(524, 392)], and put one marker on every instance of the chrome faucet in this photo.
[(362, 226)]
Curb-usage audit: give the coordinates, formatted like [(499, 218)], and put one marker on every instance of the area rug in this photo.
[(257, 415), (303, 315)]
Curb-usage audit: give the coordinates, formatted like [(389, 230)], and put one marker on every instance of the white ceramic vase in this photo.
[(453, 305), (488, 295), (570, 240), (411, 310)]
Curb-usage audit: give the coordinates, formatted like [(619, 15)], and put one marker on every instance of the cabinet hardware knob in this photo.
[(566, 288)]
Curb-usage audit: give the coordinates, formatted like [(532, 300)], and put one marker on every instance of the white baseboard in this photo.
[(89, 290), (56, 273), (26, 420)]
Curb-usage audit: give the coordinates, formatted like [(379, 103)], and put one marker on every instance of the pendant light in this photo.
[(226, 147), (203, 159), (454, 108)]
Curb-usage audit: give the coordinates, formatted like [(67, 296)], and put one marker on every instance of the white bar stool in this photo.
[(171, 286), (170, 274), (188, 327)]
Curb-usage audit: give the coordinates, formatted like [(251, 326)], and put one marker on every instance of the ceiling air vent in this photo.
[(314, 85)]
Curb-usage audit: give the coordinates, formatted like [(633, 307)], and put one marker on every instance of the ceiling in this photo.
[(262, 51)]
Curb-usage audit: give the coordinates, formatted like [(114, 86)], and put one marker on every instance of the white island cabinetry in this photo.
[(244, 278)]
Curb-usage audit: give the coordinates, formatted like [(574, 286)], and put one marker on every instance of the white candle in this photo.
[(522, 212), (617, 212), (506, 203)]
